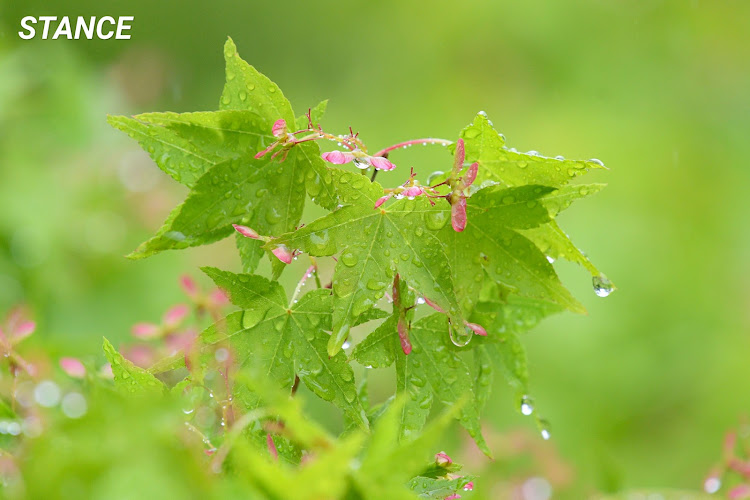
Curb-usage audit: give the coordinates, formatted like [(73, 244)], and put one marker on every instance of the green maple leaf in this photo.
[(374, 245), (212, 153), (129, 378), (433, 369), (277, 339), (186, 146), (510, 168), (498, 164), (492, 243)]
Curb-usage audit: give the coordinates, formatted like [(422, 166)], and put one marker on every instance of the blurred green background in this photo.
[(638, 393)]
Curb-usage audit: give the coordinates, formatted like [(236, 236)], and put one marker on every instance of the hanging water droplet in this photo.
[(346, 344), (460, 336), (597, 161), (602, 286), (527, 405), (545, 434)]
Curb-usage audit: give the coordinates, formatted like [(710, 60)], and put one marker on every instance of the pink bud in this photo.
[(145, 330), (469, 486), (272, 447), (443, 459), (730, 441), (246, 231), (433, 305), (454, 496), (412, 192), (471, 175), (218, 297), (739, 492), (382, 200), (458, 162), (458, 215), (140, 355), (188, 286), (478, 329), (283, 254), (106, 371), (23, 330), (403, 336), (279, 128), (73, 367), (337, 157), (381, 163), (175, 315)]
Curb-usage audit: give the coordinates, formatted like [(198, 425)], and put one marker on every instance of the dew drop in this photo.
[(712, 485), (460, 336), (597, 161), (349, 259), (602, 286), (527, 405)]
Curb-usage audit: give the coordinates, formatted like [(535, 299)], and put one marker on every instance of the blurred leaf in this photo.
[(129, 378)]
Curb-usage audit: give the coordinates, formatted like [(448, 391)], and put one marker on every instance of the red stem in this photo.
[(413, 142)]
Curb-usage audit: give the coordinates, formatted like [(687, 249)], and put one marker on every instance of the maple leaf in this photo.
[(374, 245), (278, 339)]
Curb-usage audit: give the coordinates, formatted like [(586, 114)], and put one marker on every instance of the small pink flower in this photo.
[(73, 367), (338, 157), (469, 486), (458, 214), (246, 231), (383, 199), (454, 496), (740, 492), (188, 286), (443, 459), (478, 329), (146, 330), (140, 355), (279, 128), (403, 336), (380, 163), (175, 315), (283, 254)]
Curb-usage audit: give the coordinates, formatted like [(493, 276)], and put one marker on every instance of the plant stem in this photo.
[(429, 140)]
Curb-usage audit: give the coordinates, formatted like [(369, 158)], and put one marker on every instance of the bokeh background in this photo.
[(639, 392)]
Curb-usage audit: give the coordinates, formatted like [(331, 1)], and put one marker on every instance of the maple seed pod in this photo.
[(458, 162), (73, 367), (381, 163), (471, 175), (246, 231), (337, 157), (458, 214), (175, 315), (478, 329), (403, 336), (188, 286), (382, 200), (413, 191), (283, 254), (279, 128), (433, 305)]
